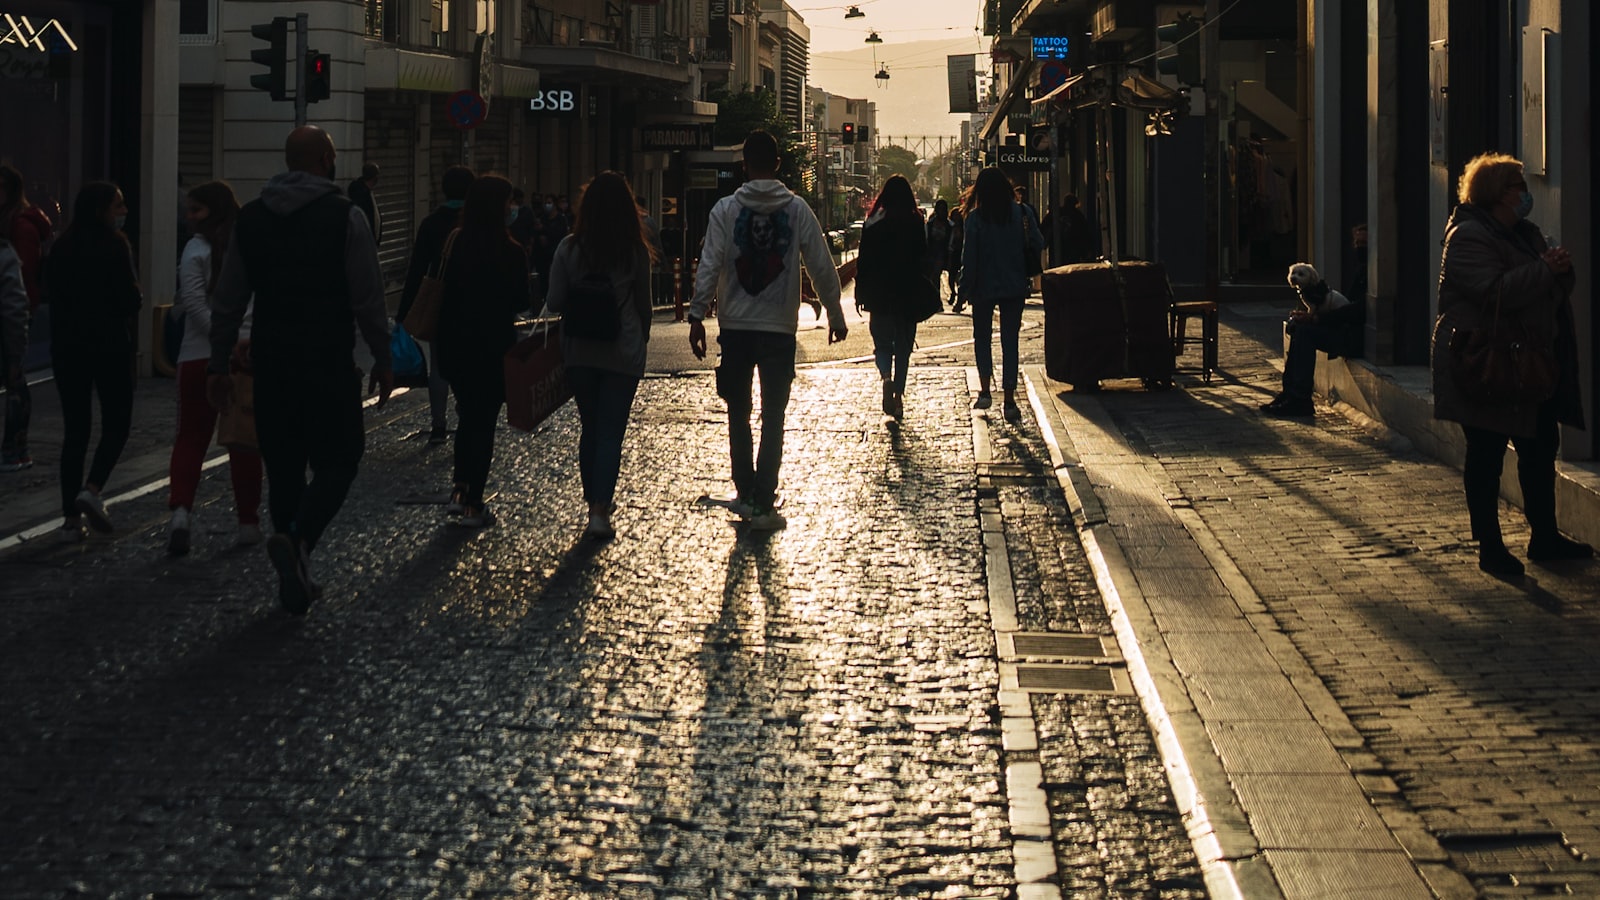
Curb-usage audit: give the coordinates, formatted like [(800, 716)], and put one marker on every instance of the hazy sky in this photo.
[(896, 21)]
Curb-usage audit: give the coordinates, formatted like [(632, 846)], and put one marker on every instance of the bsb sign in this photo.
[(555, 101), (20, 30)]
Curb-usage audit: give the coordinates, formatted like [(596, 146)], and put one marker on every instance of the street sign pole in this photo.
[(299, 70)]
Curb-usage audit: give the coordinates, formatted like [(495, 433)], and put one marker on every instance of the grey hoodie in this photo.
[(751, 261), (13, 307), (284, 194)]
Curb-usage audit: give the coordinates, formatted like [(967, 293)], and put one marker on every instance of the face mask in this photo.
[(1526, 206), (511, 216), (549, 207), (120, 221)]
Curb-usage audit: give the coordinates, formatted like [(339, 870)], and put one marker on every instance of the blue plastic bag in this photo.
[(410, 369)]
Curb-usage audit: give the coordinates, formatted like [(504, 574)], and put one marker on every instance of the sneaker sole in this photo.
[(98, 520), (178, 543), (293, 595)]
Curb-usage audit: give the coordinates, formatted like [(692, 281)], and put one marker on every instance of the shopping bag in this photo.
[(236, 425), (536, 380), (410, 368), (422, 319)]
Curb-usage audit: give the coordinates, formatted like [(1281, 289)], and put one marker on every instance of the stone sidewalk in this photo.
[(1356, 703), (691, 711)]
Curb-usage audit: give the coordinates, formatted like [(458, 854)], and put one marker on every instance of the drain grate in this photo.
[(1058, 645), (1067, 679), (1500, 853)]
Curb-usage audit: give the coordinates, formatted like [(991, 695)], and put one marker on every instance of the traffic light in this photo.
[(862, 137), (847, 133), (1184, 35), (275, 56), (319, 77)]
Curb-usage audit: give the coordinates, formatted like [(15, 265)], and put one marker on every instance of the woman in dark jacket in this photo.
[(608, 240), (485, 284), (891, 280), (94, 301), (1494, 256), (992, 275)]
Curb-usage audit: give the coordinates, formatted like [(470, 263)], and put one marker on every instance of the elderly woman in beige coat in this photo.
[(1494, 255)]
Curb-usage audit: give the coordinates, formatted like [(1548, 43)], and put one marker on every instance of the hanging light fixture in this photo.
[(872, 38), (883, 74), (854, 12)]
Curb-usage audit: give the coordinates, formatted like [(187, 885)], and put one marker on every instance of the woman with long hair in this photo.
[(938, 240), (891, 276), (997, 232), (485, 284), (94, 303), (1499, 271), (210, 210), (605, 260)]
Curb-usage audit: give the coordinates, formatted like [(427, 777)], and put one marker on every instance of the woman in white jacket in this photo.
[(210, 209)]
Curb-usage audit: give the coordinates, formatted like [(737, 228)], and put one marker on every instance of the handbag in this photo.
[(410, 367), (236, 425), (536, 379), (1498, 365), (422, 319), (927, 301)]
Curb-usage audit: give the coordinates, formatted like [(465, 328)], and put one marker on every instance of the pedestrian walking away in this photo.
[(958, 236), (600, 277), (426, 252), (1499, 272), (94, 299), (999, 232), (307, 255), (13, 319), (212, 211), (938, 241), (895, 284), (1326, 320), (750, 265), (28, 230), (485, 285), (360, 194)]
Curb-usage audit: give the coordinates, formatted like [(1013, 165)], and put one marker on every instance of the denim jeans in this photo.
[(1300, 362), (107, 371), (479, 397), (1010, 327), (605, 398), (309, 418), (745, 353), (892, 339)]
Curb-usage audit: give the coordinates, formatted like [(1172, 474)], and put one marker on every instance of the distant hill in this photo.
[(915, 98)]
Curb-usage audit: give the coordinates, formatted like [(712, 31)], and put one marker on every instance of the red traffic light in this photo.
[(847, 132)]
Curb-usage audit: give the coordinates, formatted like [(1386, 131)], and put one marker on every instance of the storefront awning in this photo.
[(603, 64), (1060, 92), (1019, 80)]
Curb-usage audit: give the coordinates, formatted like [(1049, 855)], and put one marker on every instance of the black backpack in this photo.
[(592, 311)]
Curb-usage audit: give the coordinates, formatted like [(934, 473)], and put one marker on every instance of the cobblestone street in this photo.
[(690, 711)]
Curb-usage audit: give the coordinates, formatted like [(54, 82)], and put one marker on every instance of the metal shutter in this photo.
[(390, 142), (491, 143), (196, 135)]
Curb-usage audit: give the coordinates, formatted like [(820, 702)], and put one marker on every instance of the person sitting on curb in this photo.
[(1326, 321)]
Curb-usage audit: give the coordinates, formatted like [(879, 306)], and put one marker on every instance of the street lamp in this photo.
[(854, 12), (872, 38)]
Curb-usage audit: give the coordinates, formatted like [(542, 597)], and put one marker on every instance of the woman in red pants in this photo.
[(211, 209)]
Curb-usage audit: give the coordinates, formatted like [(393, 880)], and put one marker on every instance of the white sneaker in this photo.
[(248, 536), (477, 517), (178, 533), (767, 520), (90, 504)]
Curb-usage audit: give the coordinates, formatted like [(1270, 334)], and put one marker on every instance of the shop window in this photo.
[(383, 19), (197, 21)]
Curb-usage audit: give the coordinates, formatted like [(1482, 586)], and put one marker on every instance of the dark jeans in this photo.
[(308, 417), (892, 339), (479, 397), (1536, 473), (78, 379), (605, 398), (745, 353), (19, 411), (1010, 327), (1300, 362)]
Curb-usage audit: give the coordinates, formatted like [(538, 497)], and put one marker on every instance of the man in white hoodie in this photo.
[(750, 264)]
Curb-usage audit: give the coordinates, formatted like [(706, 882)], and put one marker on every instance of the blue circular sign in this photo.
[(466, 110)]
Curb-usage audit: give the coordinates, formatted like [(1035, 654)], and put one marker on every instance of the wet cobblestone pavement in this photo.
[(690, 711)]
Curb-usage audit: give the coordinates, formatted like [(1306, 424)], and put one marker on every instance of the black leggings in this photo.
[(1536, 473), (108, 372)]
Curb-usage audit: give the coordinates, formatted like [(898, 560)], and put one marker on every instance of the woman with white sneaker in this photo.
[(210, 210), (94, 297)]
